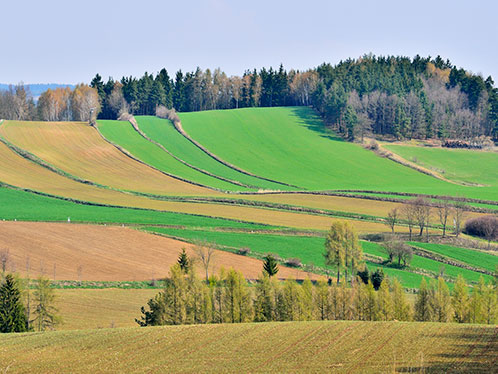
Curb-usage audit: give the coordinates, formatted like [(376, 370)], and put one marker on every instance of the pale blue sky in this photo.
[(64, 41)]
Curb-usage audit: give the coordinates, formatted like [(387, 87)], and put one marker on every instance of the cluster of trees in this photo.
[(61, 104), (228, 298), (418, 213), (24, 310), (395, 96)]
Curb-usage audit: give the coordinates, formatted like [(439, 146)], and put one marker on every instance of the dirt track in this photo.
[(105, 253)]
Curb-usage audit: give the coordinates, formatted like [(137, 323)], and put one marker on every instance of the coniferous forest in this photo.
[(392, 96)]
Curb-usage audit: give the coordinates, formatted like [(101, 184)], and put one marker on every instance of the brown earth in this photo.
[(107, 253)]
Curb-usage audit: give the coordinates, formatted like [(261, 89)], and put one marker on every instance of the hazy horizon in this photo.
[(56, 42)]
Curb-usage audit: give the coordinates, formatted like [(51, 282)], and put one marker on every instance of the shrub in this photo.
[(163, 112), (484, 227), (244, 251), (294, 262)]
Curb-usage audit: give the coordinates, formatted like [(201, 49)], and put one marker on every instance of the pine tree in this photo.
[(45, 312), (307, 300), (12, 312), (270, 265), (490, 304)]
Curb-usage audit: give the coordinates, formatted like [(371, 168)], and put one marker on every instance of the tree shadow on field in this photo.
[(310, 119), (472, 352)]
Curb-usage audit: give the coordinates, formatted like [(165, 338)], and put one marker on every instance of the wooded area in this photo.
[(390, 96)]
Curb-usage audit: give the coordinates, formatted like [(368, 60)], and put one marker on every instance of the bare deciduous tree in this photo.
[(459, 212), (4, 259), (409, 216), (392, 218), (205, 252), (444, 211)]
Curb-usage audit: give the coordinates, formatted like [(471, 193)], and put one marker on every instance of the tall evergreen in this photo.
[(12, 313)]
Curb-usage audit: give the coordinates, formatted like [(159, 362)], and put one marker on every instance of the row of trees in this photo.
[(61, 104), (23, 310), (228, 298), (396, 96)]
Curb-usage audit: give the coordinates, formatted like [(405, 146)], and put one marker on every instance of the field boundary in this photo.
[(135, 125), (131, 156)]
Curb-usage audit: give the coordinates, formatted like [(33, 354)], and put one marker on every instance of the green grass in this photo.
[(163, 132), (310, 251), (459, 165), (123, 134), (290, 145), (275, 347), (26, 206), (469, 256)]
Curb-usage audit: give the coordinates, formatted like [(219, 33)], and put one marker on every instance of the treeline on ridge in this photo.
[(390, 96)]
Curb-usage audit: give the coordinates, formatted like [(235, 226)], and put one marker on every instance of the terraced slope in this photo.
[(289, 144), (455, 164), (304, 347), (79, 150), (163, 132), (123, 134), (108, 253)]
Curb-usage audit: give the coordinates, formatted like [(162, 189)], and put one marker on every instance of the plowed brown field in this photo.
[(107, 253)]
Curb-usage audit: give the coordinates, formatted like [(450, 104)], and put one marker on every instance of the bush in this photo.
[(244, 251), (163, 112), (294, 262), (484, 227)]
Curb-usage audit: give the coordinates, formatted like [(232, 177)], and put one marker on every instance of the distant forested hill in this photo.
[(37, 89)]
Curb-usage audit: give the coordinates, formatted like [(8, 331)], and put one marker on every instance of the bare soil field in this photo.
[(107, 253)]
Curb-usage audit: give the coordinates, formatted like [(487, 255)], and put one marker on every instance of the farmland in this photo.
[(309, 250), (99, 253), (78, 149), (324, 162), (123, 134), (295, 347), (163, 132), (455, 164)]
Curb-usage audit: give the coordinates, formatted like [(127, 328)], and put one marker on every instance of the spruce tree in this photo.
[(270, 265), (12, 312), (184, 261)]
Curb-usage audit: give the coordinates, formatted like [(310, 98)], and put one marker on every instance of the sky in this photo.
[(55, 41)]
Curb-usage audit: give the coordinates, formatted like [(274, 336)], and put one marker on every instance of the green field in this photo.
[(458, 165), (472, 257), (26, 206), (278, 347), (310, 249), (163, 132), (123, 134), (290, 145)]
